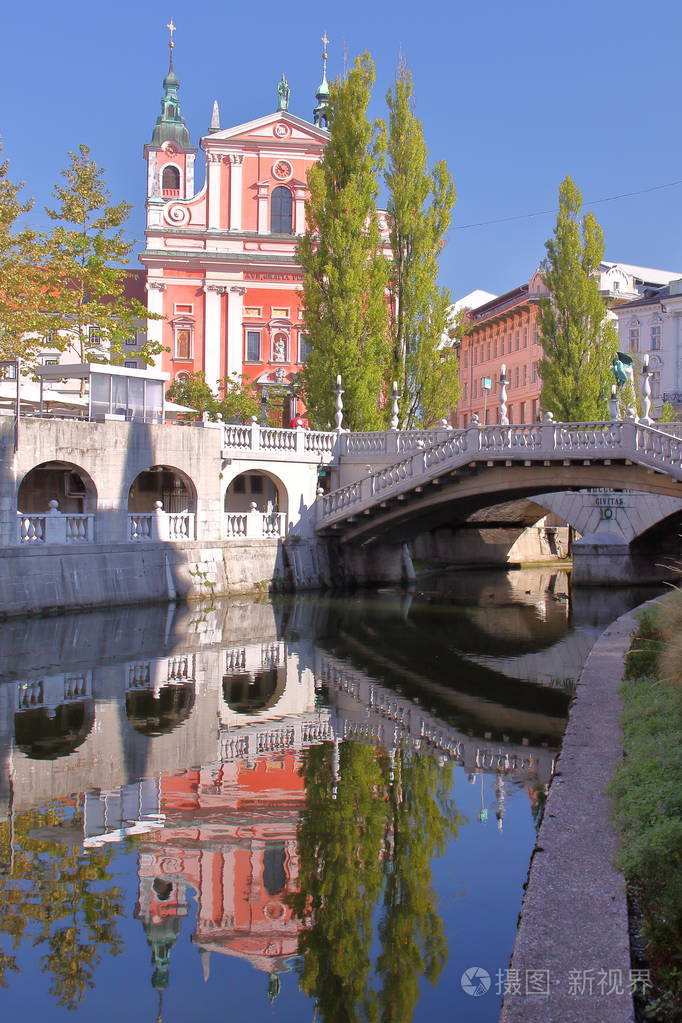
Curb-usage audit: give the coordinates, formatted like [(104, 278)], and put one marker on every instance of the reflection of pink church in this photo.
[(229, 834)]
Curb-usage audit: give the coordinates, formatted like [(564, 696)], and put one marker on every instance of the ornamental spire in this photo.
[(170, 124), (215, 118), (321, 111)]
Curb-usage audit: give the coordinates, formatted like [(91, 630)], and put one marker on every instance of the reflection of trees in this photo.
[(411, 931), (381, 817), (64, 909)]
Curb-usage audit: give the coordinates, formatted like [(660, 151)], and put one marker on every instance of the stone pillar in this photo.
[(214, 167), (236, 168), (299, 209), (262, 196), (235, 316), (213, 333), (155, 290)]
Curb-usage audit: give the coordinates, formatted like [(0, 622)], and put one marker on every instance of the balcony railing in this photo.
[(255, 525)]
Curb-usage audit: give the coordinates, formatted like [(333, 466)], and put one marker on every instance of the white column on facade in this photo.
[(236, 184), (263, 189), (155, 290), (189, 175), (212, 333), (214, 162), (235, 317), (299, 209)]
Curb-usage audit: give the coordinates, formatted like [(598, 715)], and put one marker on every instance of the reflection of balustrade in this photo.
[(275, 739), (139, 675), (76, 687), (235, 660), (180, 669), (270, 655), (30, 694)]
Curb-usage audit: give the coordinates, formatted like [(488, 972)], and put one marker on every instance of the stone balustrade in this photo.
[(160, 525), (54, 527), (298, 442), (255, 525)]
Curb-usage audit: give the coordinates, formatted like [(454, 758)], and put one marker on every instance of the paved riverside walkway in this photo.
[(574, 918)]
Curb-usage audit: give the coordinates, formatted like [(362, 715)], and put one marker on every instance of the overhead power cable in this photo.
[(543, 213)]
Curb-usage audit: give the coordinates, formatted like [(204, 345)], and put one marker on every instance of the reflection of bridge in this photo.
[(361, 709)]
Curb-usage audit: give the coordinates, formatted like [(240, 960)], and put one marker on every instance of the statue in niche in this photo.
[(279, 376), (283, 93), (280, 349)]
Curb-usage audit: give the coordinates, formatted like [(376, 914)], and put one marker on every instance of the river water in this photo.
[(317, 807)]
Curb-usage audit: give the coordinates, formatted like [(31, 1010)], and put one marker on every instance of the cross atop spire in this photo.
[(321, 111)]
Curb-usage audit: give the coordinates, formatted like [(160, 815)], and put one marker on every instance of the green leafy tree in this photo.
[(58, 896), (578, 339), (345, 273), (22, 283), (420, 204), (240, 400), (87, 256), (668, 414)]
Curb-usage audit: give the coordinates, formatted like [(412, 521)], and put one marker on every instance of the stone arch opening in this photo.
[(255, 486), (43, 733), (64, 482), (254, 691), (173, 488), (157, 712)]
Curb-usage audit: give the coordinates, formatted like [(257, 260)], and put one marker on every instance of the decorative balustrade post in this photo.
[(394, 407), (504, 418), (548, 435), (338, 404), (474, 437), (159, 530), (55, 524), (613, 403), (255, 434), (646, 393), (299, 439), (254, 521)]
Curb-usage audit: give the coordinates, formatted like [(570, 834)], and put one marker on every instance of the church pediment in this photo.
[(278, 127)]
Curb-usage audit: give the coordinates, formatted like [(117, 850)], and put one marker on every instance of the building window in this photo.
[(183, 342), (94, 336), (50, 362), (634, 337), (304, 347), (253, 346), (182, 377), (50, 338), (516, 376), (130, 364), (656, 385), (170, 181), (464, 391), (656, 337), (465, 360), (525, 374), (525, 338), (281, 207)]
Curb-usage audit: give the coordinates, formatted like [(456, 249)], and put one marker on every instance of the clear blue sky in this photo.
[(513, 97)]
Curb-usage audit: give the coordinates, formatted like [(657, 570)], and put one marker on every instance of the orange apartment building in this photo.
[(504, 332)]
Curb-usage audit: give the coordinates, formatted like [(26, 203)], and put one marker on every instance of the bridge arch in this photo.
[(258, 485), (65, 482), (173, 487)]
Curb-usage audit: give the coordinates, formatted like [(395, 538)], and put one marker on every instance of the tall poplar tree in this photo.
[(344, 271), (420, 204), (87, 256), (578, 339)]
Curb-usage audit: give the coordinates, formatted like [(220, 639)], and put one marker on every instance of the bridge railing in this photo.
[(547, 441), (253, 437)]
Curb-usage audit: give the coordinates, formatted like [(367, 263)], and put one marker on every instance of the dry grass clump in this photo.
[(669, 623)]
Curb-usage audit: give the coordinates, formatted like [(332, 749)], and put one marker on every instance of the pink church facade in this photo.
[(221, 259)]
